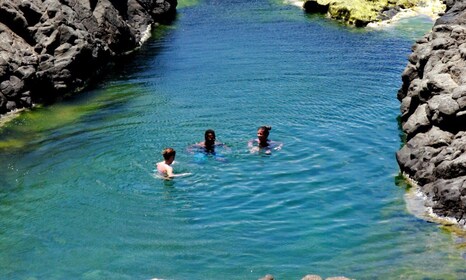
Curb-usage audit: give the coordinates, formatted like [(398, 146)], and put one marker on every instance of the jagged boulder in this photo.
[(433, 114), (50, 48)]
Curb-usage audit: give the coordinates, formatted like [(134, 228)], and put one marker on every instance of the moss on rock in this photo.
[(361, 12)]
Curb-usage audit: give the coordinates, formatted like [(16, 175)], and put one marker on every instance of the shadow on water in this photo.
[(326, 22), (33, 125), (186, 3), (128, 65), (30, 126)]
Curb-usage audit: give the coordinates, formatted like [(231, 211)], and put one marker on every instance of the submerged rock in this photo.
[(433, 115), (49, 48)]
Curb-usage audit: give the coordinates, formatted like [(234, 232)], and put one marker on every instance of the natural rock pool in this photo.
[(78, 198)]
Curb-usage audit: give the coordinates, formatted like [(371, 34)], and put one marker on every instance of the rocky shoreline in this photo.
[(52, 48), (433, 116), (360, 13)]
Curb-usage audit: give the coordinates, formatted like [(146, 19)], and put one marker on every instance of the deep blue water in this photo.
[(78, 199)]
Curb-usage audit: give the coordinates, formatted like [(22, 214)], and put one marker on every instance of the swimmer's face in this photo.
[(210, 138), (261, 135)]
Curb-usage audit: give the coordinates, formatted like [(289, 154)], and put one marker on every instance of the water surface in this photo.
[(78, 198)]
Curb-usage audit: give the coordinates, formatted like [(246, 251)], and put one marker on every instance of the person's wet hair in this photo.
[(207, 132), (209, 143), (266, 130), (168, 153)]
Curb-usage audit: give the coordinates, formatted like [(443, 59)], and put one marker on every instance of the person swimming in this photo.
[(262, 142), (209, 144), (164, 167)]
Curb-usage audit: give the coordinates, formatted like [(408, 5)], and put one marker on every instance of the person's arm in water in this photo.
[(251, 143), (167, 171), (277, 145), (196, 147), (253, 148), (164, 167), (223, 145)]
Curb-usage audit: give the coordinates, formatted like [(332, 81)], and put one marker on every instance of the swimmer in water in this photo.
[(164, 167), (208, 145), (262, 143)]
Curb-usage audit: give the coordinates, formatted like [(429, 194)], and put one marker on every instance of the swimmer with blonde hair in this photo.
[(164, 167)]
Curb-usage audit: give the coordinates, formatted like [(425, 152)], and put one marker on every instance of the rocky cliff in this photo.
[(50, 48), (433, 115)]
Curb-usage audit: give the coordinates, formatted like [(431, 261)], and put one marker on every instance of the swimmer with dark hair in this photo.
[(209, 143), (262, 143), (164, 167)]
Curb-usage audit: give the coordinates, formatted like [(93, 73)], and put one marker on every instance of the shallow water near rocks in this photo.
[(78, 198)]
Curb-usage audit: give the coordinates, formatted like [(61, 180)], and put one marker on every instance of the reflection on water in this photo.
[(31, 125)]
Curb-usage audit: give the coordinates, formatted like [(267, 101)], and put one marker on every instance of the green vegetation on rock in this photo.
[(361, 12)]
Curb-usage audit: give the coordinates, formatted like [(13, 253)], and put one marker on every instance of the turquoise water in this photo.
[(78, 199)]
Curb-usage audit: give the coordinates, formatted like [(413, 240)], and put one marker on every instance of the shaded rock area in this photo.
[(433, 115), (50, 48), (358, 12)]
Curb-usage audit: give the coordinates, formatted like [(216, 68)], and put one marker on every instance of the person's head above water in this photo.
[(169, 155), (209, 137), (263, 134)]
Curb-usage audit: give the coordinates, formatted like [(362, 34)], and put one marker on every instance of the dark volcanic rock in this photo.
[(433, 114), (314, 7), (49, 48), (389, 12)]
